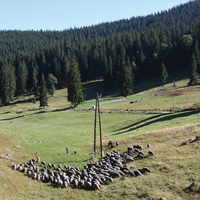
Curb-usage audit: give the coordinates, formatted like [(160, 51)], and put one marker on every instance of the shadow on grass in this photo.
[(18, 101), (155, 119), (90, 90), (8, 119), (36, 113), (56, 110)]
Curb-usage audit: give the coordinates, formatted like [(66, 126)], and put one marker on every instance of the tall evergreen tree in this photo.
[(164, 73), (108, 82), (194, 76), (64, 70), (12, 82), (52, 80), (7, 83), (197, 54), (43, 92), (75, 93), (35, 82), (22, 74), (4, 85), (126, 81)]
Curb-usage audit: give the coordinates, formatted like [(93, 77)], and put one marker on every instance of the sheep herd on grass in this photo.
[(94, 174)]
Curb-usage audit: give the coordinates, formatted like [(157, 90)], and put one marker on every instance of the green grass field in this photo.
[(26, 129)]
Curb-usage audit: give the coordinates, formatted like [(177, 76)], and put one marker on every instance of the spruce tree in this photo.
[(52, 80), (35, 82), (108, 72), (164, 73), (126, 81), (75, 93), (194, 76), (197, 55), (4, 85), (64, 70), (7, 83), (43, 93), (12, 82), (22, 74)]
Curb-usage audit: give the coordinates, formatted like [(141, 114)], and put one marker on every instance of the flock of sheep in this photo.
[(93, 175)]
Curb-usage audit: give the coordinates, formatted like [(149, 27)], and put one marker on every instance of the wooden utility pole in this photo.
[(97, 109)]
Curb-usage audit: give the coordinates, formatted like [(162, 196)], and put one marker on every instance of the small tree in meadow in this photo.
[(43, 93), (164, 73), (74, 86), (126, 81), (52, 80), (194, 76)]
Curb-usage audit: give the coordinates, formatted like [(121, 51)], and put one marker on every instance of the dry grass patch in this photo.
[(177, 92), (174, 167)]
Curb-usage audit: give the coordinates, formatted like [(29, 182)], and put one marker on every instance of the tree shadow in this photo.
[(139, 122), (90, 89), (37, 113), (56, 110), (149, 83), (20, 101), (156, 119), (8, 119)]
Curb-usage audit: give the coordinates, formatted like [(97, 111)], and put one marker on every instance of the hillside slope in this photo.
[(26, 129)]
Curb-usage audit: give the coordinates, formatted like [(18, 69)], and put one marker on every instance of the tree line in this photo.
[(120, 52)]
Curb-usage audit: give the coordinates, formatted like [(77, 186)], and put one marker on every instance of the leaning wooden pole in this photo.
[(95, 128), (101, 145)]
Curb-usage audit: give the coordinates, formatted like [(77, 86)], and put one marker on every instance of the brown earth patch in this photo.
[(173, 93)]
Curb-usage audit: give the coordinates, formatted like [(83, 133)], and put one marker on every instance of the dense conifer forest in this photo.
[(140, 46)]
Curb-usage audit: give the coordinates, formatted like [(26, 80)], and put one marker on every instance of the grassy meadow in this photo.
[(26, 129)]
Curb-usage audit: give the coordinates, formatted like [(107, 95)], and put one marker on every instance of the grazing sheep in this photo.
[(43, 162), (138, 147), (14, 166), (96, 186), (130, 149), (92, 176), (184, 143), (137, 173), (151, 153), (21, 169), (144, 170), (26, 165), (141, 153), (137, 150), (65, 184), (162, 198), (88, 184), (38, 177), (131, 173), (53, 166), (117, 143), (111, 144), (139, 156), (148, 146), (49, 165), (197, 137)]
